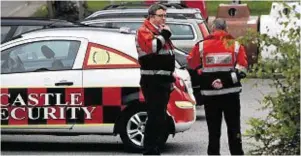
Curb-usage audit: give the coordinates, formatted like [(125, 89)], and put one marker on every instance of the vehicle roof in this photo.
[(141, 11), (136, 19), (84, 32), (27, 21)]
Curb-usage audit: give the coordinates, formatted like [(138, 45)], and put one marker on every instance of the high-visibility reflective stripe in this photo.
[(241, 68), (221, 91), (234, 77), (154, 45), (218, 58), (236, 47), (201, 48), (161, 38), (164, 52), (216, 69), (155, 72)]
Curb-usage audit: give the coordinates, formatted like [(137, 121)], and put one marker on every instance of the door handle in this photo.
[(64, 83)]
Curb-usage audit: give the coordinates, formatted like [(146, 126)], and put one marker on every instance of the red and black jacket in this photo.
[(220, 57), (156, 56)]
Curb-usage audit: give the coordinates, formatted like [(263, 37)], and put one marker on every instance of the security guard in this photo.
[(157, 61), (222, 64)]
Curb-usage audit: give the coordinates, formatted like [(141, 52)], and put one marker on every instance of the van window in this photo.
[(40, 55)]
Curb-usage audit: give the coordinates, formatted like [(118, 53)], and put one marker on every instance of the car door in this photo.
[(40, 82), (111, 79)]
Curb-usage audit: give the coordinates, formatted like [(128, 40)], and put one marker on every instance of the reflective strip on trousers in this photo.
[(221, 91), (155, 72), (216, 69)]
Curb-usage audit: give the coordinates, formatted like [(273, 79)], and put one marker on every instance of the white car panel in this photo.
[(111, 78), (41, 79)]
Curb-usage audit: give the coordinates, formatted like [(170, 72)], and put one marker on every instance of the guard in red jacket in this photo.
[(221, 63), (157, 61)]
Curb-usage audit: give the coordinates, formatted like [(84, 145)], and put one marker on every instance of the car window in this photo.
[(99, 56), (132, 25), (4, 32), (23, 29), (39, 56), (181, 57), (179, 31)]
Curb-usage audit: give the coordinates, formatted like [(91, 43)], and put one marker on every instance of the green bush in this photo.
[(279, 132)]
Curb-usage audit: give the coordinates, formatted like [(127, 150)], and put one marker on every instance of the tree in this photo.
[(279, 132)]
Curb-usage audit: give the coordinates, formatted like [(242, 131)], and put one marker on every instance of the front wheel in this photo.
[(133, 128)]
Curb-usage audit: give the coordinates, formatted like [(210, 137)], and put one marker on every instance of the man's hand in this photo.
[(164, 27), (217, 84)]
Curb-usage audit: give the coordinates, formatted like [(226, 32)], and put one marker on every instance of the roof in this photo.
[(84, 32), (127, 19), (189, 12), (26, 21)]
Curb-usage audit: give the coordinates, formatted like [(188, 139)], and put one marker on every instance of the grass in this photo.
[(41, 12), (256, 7), (98, 5)]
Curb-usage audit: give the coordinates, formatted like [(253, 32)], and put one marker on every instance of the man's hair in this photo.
[(153, 8), (219, 24)]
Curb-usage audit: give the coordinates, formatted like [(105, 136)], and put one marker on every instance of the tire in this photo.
[(133, 124)]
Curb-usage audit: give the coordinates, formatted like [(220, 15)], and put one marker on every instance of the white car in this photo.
[(82, 81), (271, 25)]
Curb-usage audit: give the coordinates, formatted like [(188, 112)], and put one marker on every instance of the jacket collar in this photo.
[(220, 35), (151, 27)]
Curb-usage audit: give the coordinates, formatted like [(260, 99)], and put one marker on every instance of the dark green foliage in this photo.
[(279, 132)]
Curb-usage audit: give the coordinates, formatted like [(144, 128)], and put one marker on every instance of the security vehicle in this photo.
[(76, 81), (280, 13), (14, 26)]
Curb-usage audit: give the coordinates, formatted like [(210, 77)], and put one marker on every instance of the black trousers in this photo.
[(215, 107), (156, 97)]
